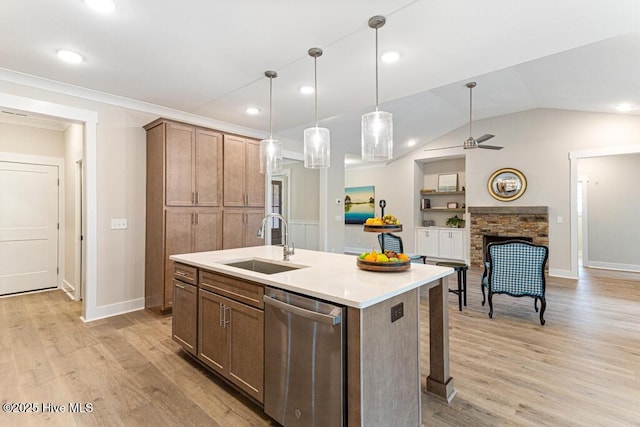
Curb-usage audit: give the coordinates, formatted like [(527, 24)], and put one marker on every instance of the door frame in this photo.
[(574, 157), (77, 235), (59, 163), (89, 119)]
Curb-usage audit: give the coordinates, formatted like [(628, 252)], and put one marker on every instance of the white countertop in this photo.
[(329, 276)]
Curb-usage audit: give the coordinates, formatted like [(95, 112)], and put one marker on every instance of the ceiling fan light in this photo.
[(270, 156), (470, 143), (377, 136), (317, 148)]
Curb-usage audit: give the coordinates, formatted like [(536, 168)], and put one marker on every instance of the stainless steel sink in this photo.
[(263, 266)]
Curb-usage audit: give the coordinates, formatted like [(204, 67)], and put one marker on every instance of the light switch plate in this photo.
[(119, 224)]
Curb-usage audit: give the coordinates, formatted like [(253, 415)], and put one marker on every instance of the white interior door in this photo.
[(28, 227)]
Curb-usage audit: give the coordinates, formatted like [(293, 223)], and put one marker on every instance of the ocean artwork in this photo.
[(359, 204)]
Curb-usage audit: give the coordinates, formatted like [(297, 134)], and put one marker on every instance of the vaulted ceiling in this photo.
[(208, 58)]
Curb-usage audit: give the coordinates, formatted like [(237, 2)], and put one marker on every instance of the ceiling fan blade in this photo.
[(490, 147), (442, 148), (484, 138)]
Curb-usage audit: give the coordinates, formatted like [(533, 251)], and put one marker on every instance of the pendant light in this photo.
[(316, 139), (270, 149), (377, 127)]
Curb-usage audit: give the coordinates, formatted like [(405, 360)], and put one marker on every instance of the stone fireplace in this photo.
[(530, 222)]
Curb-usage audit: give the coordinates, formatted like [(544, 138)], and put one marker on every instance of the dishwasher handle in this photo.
[(302, 312)]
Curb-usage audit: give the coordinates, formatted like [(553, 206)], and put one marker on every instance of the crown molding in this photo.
[(23, 79)]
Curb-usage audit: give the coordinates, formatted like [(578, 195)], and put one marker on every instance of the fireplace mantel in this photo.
[(506, 210)]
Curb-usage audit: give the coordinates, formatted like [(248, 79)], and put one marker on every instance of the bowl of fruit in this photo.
[(387, 223), (388, 261)]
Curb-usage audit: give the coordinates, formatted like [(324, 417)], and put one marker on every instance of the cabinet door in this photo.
[(207, 232), (246, 348), (457, 244), (253, 220), (212, 331), (427, 242), (451, 244), (208, 167), (233, 228), (179, 146), (234, 171), (185, 315), (254, 180), (178, 240)]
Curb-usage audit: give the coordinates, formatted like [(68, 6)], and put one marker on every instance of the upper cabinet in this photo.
[(244, 185), (193, 165)]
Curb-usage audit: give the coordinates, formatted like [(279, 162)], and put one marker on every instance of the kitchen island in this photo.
[(382, 323)]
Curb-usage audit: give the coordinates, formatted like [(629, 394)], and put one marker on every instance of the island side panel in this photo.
[(439, 381), (383, 377)]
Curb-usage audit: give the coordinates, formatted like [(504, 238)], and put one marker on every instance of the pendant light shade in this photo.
[(270, 149), (316, 139), (377, 127)]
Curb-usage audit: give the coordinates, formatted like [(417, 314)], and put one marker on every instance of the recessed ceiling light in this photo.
[(306, 90), (70, 56), (625, 107), (411, 143), (252, 111), (102, 6), (390, 57)]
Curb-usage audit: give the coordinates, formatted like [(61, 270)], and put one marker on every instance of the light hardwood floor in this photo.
[(581, 369)]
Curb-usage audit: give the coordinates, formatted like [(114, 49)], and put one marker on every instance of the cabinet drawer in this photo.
[(249, 293), (185, 273)]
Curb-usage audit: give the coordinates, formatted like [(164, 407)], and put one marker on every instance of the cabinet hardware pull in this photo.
[(197, 197), (221, 314), (193, 198), (181, 273), (179, 286), (197, 217), (225, 316)]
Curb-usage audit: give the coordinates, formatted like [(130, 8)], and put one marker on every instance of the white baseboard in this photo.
[(68, 287), (554, 272), (115, 309), (614, 266)]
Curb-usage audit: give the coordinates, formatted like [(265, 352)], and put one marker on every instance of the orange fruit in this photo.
[(403, 257)]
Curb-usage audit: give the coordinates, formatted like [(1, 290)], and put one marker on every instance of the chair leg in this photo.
[(464, 286), (543, 307), (459, 290), (482, 289), (535, 303), (490, 305)]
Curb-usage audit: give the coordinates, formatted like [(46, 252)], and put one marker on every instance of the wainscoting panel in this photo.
[(304, 233)]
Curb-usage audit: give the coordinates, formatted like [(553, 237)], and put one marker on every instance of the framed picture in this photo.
[(507, 184), (448, 182), (359, 204)]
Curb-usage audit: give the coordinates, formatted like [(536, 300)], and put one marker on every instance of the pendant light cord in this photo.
[(315, 83), (270, 107), (470, 109), (376, 69)]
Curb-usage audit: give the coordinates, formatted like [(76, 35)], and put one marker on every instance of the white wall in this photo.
[(537, 142), (305, 203), (30, 140), (613, 199), (73, 137)]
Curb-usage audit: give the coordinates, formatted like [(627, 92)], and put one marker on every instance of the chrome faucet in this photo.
[(286, 250)]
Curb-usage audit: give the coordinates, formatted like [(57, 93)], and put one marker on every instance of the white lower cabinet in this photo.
[(437, 242)]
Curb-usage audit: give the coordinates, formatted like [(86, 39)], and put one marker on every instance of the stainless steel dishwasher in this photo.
[(304, 360)]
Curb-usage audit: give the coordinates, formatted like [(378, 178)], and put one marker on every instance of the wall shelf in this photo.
[(443, 210), (442, 193)]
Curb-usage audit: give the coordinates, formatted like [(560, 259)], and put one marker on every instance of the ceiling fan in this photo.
[(471, 142)]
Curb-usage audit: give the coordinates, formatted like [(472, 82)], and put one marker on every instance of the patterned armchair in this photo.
[(516, 268)]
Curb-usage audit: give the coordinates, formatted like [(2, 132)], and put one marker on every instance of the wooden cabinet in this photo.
[(436, 242), (185, 315), (193, 165), (189, 230), (240, 228), (185, 191), (244, 185), (231, 334)]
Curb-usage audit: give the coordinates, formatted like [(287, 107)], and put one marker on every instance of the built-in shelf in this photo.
[(443, 209), (442, 193)]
